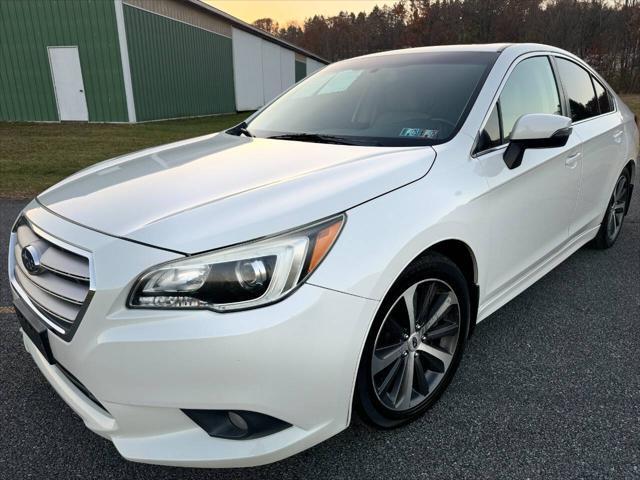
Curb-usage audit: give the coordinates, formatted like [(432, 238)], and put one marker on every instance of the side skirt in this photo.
[(535, 273)]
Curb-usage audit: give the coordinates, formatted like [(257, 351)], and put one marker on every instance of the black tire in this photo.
[(430, 269), (614, 216)]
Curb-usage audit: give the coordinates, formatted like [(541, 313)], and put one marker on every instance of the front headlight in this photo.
[(240, 277)]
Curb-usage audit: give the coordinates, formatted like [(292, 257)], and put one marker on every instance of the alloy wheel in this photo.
[(618, 204), (415, 345)]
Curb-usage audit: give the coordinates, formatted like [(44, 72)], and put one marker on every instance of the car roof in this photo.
[(516, 48)]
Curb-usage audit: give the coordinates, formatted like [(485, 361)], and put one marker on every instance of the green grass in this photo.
[(633, 101), (34, 156)]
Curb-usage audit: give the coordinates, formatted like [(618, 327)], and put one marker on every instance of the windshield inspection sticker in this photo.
[(419, 132)]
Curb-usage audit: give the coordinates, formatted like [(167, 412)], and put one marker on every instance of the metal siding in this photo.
[(271, 72), (301, 70), (247, 69), (287, 68), (177, 70), (238, 24), (313, 65), (27, 27), (184, 12)]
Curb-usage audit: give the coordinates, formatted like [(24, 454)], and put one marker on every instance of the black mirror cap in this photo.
[(515, 151)]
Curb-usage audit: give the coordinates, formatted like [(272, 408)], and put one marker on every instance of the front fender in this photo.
[(384, 235)]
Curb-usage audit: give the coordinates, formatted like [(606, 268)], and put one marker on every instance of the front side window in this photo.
[(577, 83), (388, 100), (491, 135), (531, 88)]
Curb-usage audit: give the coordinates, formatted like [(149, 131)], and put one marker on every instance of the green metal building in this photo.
[(137, 60)]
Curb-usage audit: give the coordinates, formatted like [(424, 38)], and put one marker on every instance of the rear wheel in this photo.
[(415, 344), (614, 216)]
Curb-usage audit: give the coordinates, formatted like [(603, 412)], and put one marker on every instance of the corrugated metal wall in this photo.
[(271, 81), (247, 69), (287, 68), (313, 65), (28, 27), (301, 69), (262, 70), (177, 70), (184, 12)]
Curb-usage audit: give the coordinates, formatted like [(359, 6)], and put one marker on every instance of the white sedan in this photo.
[(232, 299)]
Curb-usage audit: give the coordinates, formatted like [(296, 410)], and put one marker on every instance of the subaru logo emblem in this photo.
[(414, 342), (31, 259)]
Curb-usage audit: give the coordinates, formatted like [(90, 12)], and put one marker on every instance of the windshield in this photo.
[(389, 100)]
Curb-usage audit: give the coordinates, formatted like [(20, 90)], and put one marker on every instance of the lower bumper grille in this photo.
[(80, 386)]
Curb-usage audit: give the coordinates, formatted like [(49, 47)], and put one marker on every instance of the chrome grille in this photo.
[(59, 289)]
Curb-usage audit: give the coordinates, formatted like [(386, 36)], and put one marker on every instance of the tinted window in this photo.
[(403, 99), (579, 89), (531, 88), (604, 100), (490, 136)]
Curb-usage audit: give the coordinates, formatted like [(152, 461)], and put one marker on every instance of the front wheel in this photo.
[(614, 216), (415, 343)]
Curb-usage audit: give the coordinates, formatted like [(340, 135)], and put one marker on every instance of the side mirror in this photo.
[(536, 130)]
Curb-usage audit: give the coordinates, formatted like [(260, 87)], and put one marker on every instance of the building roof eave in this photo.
[(239, 24)]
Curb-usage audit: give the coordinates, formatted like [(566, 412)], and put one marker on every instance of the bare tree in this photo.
[(606, 33)]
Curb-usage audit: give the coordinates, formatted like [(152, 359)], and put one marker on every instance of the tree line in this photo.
[(603, 32)]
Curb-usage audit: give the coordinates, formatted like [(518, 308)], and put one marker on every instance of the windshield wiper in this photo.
[(240, 129), (315, 138)]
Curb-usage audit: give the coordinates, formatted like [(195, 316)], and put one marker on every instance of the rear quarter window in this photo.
[(605, 102)]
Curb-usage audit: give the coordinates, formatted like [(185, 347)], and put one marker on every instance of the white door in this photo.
[(599, 127), (533, 204), (67, 83)]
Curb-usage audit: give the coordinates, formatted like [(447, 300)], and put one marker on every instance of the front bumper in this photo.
[(295, 360)]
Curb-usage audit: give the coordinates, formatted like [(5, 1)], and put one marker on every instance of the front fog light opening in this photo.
[(236, 424)]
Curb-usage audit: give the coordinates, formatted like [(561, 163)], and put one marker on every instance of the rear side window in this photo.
[(604, 99), (577, 82), (531, 88)]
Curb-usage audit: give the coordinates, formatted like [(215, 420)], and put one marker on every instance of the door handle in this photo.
[(617, 137), (572, 160)]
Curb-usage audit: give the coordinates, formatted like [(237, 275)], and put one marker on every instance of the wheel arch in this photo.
[(631, 166), (460, 253)]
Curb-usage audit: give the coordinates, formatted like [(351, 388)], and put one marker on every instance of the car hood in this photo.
[(217, 190)]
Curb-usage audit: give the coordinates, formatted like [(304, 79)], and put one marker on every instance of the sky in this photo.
[(284, 11)]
